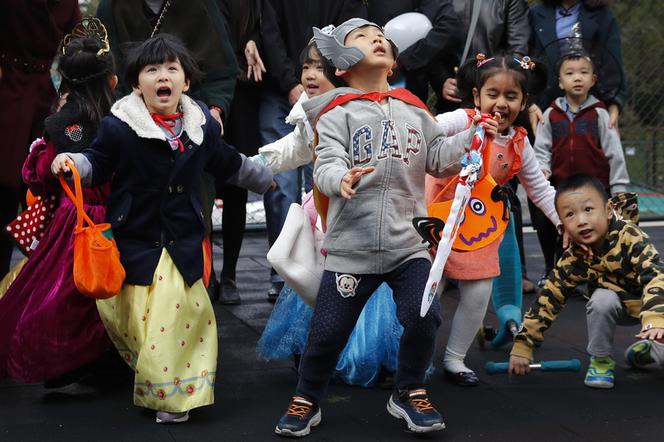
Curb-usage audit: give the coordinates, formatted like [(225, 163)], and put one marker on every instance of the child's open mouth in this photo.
[(379, 50), (164, 92), (586, 233)]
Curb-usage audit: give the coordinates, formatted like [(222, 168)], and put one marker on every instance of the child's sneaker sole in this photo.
[(599, 384), (397, 412), (170, 420), (315, 420), (639, 355)]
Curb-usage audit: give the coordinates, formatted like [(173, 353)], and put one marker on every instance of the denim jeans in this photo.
[(273, 111)]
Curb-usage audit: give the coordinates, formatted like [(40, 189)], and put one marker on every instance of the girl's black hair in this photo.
[(328, 68), (85, 76), (160, 49), (531, 79)]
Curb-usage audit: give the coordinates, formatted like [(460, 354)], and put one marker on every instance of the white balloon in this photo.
[(407, 29)]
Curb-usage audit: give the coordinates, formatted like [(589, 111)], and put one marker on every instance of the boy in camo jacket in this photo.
[(618, 259)]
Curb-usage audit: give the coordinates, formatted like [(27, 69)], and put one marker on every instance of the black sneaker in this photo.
[(274, 290), (415, 408), (229, 293), (299, 418)]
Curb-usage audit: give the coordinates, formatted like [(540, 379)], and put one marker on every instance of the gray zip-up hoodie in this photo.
[(372, 233)]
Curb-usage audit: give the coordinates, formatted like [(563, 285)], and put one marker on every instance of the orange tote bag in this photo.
[(98, 272)]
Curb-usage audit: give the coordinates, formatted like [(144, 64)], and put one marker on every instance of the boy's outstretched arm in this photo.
[(546, 308), (444, 153), (252, 175)]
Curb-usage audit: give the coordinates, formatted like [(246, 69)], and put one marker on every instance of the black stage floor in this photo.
[(251, 395)]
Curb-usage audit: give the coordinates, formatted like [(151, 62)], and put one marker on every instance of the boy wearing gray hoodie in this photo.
[(375, 146)]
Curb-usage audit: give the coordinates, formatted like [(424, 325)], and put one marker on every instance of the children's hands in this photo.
[(489, 123), (518, 366), (352, 177), (59, 164), (651, 333), (567, 241)]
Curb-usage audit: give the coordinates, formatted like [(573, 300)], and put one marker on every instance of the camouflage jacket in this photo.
[(627, 264)]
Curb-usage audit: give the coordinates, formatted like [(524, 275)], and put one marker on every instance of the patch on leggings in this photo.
[(346, 284)]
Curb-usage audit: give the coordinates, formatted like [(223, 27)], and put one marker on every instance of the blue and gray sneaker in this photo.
[(600, 372), (299, 418), (645, 354), (415, 408)]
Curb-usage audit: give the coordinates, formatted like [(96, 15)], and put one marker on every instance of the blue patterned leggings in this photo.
[(341, 298)]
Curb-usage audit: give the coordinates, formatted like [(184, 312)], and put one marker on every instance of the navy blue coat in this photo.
[(601, 37), (155, 194)]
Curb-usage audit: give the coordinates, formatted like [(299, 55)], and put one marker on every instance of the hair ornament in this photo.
[(89, 27), (482, 60), (526, 63)]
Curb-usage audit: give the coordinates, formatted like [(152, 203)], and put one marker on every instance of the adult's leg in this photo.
[(232, 225)]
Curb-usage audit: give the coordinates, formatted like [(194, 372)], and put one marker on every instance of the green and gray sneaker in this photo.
[(645, 354), (600, 372)]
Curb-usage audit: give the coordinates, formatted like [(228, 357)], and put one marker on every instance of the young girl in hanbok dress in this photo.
[(153, 149)]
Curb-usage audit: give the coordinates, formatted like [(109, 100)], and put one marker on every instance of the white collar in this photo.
[(132, 110)]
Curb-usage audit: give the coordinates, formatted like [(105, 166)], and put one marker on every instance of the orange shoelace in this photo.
[(295, 409), (421, 404)]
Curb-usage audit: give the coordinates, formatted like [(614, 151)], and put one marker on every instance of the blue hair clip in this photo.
[(526, 63)]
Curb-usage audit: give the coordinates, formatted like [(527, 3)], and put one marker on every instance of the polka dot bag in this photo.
[(28, 228)]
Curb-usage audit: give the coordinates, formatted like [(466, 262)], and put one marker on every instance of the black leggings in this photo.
[(337, 311), (232, 226)]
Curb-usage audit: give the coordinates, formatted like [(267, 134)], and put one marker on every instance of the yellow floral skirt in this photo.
[(167, 333)]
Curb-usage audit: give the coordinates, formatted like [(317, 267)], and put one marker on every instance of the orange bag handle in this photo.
[(76, 198)]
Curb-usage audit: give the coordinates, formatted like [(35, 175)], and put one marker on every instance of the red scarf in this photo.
[(399, 93), (168, 122)]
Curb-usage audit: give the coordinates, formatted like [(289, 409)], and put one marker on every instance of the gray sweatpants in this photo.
[(604, 311)]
